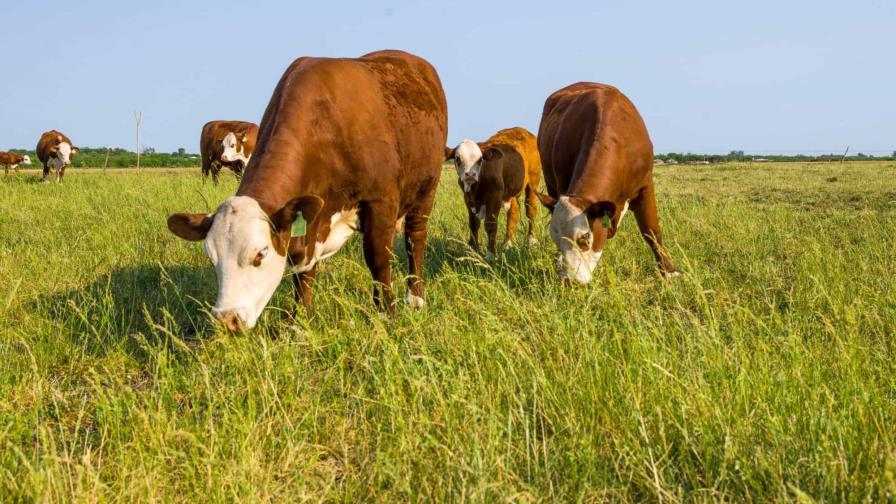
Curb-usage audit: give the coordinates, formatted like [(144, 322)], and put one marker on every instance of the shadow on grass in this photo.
[(133, 305)]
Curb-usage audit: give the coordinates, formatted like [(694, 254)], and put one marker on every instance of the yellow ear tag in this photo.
[(243, 139), (298, 226)]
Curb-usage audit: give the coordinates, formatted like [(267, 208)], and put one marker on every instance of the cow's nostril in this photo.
[(231, 321)]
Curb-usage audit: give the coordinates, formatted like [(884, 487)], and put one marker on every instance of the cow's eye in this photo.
[(583, 241), (259, 257)]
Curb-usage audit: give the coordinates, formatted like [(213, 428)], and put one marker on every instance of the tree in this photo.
[(181, 151), (148, 151), (736, 153)]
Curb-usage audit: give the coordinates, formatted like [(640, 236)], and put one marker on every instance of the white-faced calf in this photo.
[(492, 175)]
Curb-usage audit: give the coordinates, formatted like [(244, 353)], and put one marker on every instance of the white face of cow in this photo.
[(468, 162), (572, 233), (63, 154), (26, 160), (249, 268), (230, 152)]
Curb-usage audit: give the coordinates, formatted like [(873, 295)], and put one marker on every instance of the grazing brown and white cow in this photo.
[(13, 160), (226, 144), (347, 144), (55, 151), (492, 175), (598, 163)]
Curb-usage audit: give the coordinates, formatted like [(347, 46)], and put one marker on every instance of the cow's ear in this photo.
[(309, 206), (244, 139), (191, 227), (58, 138), (449, 153), (75, 150), (547, 200), (600, 210), (492, 154)]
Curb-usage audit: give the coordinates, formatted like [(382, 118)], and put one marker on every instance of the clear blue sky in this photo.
[(706, 75)]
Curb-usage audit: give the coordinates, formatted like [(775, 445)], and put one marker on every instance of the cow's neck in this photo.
[(274, 180)]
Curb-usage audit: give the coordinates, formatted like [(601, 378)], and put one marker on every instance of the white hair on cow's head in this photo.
[(468, 163)]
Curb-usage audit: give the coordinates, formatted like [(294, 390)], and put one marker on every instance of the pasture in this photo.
[(766, 372)]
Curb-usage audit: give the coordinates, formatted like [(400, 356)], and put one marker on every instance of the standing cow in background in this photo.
[(598, 162), (55, 151), (13, 160), (346, 145), (226, 143), (492, 175)]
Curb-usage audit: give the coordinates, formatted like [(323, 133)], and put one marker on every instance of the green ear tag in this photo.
[(298, 226), (605, 221)]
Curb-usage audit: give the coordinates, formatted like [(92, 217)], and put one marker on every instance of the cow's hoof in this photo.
[(509, 244), (414, 301), (672, 274), (532, 241)]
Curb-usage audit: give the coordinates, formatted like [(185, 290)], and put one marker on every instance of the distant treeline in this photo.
[(121, 158), (740, 156)]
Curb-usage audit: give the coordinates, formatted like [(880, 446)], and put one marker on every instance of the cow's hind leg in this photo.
[(415, 244), (644, 208), (46, 178), (513, 217), (531, 212), (378, 226)]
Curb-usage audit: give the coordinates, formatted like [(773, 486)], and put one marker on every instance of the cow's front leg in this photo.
[(378, 226), (303, 283), (59, 174), (46, 174), (474, 229), (492, 209)]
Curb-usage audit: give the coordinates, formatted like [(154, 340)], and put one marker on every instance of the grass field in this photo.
[(767, 372)]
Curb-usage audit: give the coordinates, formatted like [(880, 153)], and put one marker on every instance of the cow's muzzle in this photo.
[(231, 321)]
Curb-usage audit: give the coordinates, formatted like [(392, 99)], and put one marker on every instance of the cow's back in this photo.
[(525, 143), (351, 129), (593, 143), (10, 158)]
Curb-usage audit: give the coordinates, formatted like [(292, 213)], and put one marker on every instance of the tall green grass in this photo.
[(765, 373)]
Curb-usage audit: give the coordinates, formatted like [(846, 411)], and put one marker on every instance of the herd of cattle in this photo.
[(349, 145)]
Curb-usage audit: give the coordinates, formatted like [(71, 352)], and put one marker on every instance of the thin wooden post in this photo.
[(106, 162), (844, 155), (138, 117)]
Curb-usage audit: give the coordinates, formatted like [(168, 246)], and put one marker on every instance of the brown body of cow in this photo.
[(510, 165), (51, 153), (10, 160), (211, 146), (351, 144), (598, 159)]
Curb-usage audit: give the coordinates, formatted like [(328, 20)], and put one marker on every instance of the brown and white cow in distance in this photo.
[(226, 144), (55, 151), (492, 175), (347, 144), (598, 163), (13, 160)]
